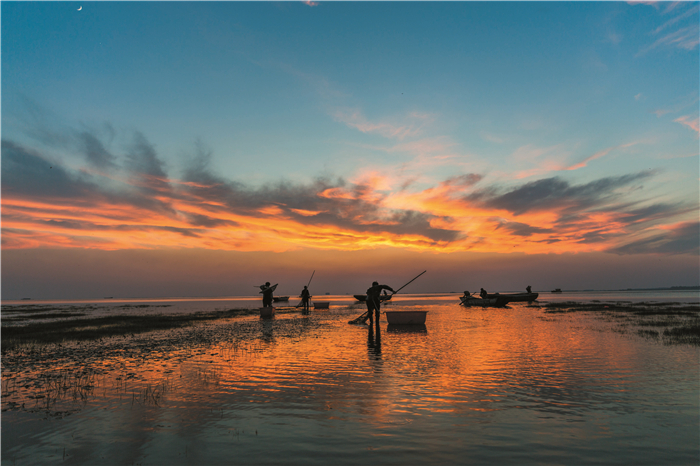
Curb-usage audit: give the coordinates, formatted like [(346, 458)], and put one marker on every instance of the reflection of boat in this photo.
[(267, 312), (514, 297), (406, 317), (321, 304), (278, 299), (473, 301), (403, 328), (556, 290), (363, 297)]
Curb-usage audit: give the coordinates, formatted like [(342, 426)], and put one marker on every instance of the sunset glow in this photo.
[(492, 133)]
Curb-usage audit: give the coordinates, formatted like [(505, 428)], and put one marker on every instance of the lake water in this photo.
[(474, 386)]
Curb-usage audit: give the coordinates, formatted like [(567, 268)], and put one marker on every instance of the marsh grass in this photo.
[(58, 331), (674, 323)]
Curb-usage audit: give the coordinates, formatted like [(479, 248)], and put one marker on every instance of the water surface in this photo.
[(473, 386)]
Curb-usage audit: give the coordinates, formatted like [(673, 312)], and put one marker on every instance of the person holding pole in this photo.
[(373, 300)]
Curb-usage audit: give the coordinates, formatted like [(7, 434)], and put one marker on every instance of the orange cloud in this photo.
[(54, 208)]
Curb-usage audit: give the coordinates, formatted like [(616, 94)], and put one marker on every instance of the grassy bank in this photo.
[(57, 331), (672, 323)]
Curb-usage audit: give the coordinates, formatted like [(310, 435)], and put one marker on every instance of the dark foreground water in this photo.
[(474, 386)]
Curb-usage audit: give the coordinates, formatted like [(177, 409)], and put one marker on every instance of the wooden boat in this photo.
[(321, 304), (514, 297), (556, 290), (406, 317), (278, 299), (473, 301), (267, 312), (363, 297)]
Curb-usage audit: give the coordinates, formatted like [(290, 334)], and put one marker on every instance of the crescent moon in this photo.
[(80, 8)]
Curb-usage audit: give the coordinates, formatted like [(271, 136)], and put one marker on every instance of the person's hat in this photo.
[(267, 283)]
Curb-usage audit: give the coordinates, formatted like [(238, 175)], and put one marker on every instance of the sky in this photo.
[(199, 148)]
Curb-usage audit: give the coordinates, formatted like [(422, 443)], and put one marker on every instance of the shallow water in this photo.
[(473, 386)]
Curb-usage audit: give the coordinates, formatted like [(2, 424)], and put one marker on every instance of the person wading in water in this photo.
[(267, 291), (305, 296), (373, 300)]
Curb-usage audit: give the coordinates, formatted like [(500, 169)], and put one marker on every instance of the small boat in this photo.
[(515, 297), (267, 312), (406, 317), (556, 290), (363, 297), (321, 304), (278, 299), (474, 301)]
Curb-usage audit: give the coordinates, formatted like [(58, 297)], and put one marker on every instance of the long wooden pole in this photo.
[(312, 277), (362, 318)]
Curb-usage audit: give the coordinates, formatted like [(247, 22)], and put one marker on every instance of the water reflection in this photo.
[(412, 328), (483, 384), (374, 343)]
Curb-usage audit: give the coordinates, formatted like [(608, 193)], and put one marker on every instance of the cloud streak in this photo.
[(128, 200)]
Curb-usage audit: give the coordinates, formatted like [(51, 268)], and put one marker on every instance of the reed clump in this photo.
[(674, 323), (58, 331)]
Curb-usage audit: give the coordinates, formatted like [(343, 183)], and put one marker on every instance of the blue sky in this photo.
[(420, 112)]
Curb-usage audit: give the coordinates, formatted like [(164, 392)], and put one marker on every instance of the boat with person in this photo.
[(556, 290), (278, 299)]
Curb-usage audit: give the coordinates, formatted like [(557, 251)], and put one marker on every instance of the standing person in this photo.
[(483, 293), (529, 289), (267, 291), (305, 296), (373, 300)]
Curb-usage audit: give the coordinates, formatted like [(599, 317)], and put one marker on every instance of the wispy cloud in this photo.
[(673, 21), (410, 125), (690, 122)]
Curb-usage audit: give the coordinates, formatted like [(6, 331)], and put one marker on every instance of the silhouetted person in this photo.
[(529, 289), (266, 291), (305, 297), (483, 293), (374, 301)]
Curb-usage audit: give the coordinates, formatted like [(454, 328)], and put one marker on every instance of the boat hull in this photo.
[(363, 297), (514, 297), (277, 299), (488, 302), (322, 304), (406, 317)]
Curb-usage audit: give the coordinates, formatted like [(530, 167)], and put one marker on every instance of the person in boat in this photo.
[(373, 300), (266, 291), (483, 293), (529, 289), (305, 297)]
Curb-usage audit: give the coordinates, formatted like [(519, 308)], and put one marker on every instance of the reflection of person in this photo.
[(529, 289), (305, 296), (374, 345), (373, 300), (266, 291), (483, 293)]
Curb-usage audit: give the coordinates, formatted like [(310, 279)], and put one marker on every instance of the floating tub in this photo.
[(322, 304), (406, 317)]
